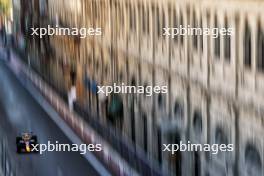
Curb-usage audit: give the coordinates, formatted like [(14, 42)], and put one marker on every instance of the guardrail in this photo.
[(118, 154), (108, 155), (135, 157)]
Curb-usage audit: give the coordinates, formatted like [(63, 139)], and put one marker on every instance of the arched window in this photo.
[(197, 122), (143, 17), (252, 160), (227, 44), (163, 19), (135, 20), (147, 21), (220, 137), (260, 50), (217, 41), (140, 11), (121, 75), (116, 12), (247, 46), (164, 24), (178, 110), (160, 100), (195, 37), (201, 36), (158, 22), (153, 20), (182, 24), (175, 24), (131, 20), (133, 81), (122, 19)]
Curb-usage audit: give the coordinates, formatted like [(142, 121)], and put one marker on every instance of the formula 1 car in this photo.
[(25, 142)]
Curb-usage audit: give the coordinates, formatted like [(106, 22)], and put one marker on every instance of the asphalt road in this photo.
[(19, 112)]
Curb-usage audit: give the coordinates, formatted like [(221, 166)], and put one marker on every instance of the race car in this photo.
[(25, 142)]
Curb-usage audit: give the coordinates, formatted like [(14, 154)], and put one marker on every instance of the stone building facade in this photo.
[(216, 86)]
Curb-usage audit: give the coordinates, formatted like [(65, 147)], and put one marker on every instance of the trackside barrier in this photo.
[(119, 154), (108, 155)]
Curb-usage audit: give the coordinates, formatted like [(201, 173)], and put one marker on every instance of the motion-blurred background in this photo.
[(216, 85)]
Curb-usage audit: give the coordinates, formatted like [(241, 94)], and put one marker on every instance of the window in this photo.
[(133, 81), (135, 20), (158, 22), (153, 20), (145, 133), (217, 41), (95, 12), (121, 76), (175, 24), (201, 36), (195, 37), (131, 17), (144, 17), (122, 21), (227, 44), (163, 19), (181, 23), (252, 160), (147, 21), (260, 50), (160, 100), (163, 26), (140, 16), (178, 110), (169, 23), (197, 122), (220, 137), (247, 47)]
